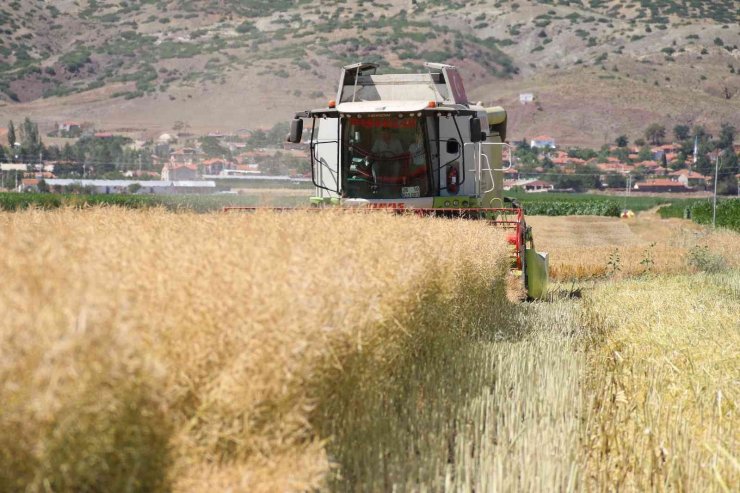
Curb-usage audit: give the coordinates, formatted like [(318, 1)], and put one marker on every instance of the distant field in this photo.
[(591, 204), (535, 204), (10, 201)]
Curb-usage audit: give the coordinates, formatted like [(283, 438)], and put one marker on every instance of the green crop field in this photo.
[(10, 201), (567, 204)]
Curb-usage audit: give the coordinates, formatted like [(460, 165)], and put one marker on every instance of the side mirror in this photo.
[(296, 131), (475, 130), (453, 146)]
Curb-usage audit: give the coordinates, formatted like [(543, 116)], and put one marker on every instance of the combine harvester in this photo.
[(413, 143)]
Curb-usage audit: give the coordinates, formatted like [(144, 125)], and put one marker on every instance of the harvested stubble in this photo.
[(664, 384), (497, 413), (588, 247), (205, 352)]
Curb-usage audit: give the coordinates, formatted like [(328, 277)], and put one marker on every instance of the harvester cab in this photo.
[(414, 143)]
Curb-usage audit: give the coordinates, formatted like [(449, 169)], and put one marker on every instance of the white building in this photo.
[(529, 185), (159, 187), (543, 142), (526, 97)]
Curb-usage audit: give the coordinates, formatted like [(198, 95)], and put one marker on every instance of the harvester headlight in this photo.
[(465, 203), (455, 203), (447, 203)]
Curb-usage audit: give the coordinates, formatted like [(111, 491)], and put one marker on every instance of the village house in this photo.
[(538, 186), (542, 142), (661, 185), (186, 155), (615, 167), (69, 127), (214, 166), (647, 165), (529, 185), (165, 187), (526, 97), (660, 151), (690, 178), (174, 171), (511, 174), (660, 171)]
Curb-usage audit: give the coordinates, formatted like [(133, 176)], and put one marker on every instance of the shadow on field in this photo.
[(475, 390)]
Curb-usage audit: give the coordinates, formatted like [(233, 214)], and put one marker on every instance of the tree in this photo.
[(276, 135), (680, 161), (31, 146), (655, 133), (584, 154), (703, 165), (622, 141), (681, 132), (726, 136), (11, 135), (616, 180), (700, 133), (730, 162), (727, 185), (258, 138), (180, 126), (645, 154), (639, 142), (588, 178), (623, 154), (213, 148)]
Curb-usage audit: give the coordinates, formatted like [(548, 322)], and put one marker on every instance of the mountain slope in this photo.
[(597, 68)]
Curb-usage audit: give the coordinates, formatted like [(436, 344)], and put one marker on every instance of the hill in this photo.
[(597, 69)]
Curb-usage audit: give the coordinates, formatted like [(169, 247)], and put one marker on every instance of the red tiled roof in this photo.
[(689, 174), (648, 164), (538, 183)]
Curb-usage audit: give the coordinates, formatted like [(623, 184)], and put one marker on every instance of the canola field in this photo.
[(150, 350)]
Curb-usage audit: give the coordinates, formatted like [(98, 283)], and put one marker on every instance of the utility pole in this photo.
[(714, 204)]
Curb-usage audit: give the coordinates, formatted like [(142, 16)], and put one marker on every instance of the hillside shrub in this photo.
[(76, 59)]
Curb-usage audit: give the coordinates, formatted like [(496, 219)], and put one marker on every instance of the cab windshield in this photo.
[(385, 157)]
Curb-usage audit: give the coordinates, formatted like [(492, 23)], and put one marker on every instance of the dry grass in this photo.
[(582, 247), (664, 404), (202, 352)]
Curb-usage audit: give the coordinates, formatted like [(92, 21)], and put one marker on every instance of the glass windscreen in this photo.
[(385, 157)]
